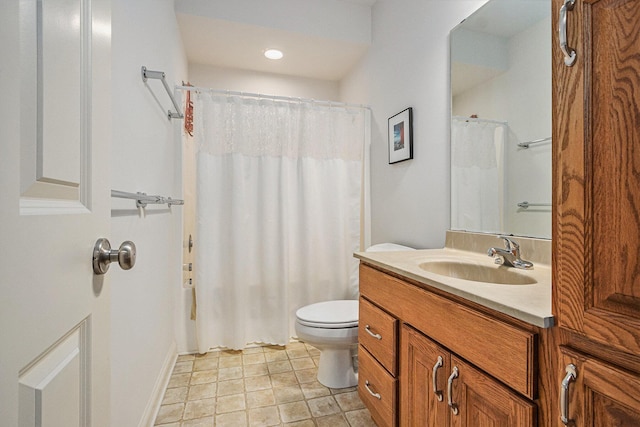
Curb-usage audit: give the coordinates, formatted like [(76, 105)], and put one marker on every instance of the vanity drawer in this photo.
[(504, 351), (377, 389), (378, 333)]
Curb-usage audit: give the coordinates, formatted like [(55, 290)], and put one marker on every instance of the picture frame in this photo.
[(400, 128)]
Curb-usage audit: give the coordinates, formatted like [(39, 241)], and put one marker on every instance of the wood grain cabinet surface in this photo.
[(511, 374), (425, 368), (596, 236), (433, 331), (377, 389), (378, 333)]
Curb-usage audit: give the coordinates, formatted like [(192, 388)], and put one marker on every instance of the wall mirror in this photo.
[(501, 119)]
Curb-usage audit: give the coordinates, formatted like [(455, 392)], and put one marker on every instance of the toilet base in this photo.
[(335, 368)]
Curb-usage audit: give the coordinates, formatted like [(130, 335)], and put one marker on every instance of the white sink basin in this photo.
[(496, 274)]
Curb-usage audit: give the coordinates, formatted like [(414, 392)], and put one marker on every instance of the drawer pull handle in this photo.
[(451, 403), (376, 395), (376, 336), (564, 393), (434, 377)]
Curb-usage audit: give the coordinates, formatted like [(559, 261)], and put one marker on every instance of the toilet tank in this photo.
[(388, 247)]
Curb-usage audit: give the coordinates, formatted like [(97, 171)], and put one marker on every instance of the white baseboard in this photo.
[(153, 406)]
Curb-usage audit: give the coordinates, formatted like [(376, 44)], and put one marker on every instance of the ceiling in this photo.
[(506, 18), (321, 39)]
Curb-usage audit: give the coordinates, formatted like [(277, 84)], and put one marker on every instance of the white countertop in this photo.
[(529, 303)]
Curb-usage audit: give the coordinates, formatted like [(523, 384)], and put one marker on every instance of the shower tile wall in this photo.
[(262, 386)]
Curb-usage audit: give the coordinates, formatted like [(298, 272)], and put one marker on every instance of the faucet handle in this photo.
[(509, 244)]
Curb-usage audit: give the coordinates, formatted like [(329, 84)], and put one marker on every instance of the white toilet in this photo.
[(332, 327)]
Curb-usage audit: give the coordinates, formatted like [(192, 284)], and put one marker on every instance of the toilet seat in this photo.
[(337, 314)]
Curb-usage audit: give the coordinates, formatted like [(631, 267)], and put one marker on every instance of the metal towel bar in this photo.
[(536, 141), (142, 199), (525, 204), (148, 74)]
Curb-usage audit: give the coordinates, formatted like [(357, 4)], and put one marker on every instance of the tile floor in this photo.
[(262, 386)]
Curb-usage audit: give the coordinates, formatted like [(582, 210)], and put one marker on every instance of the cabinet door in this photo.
[(420, 359), (482, 401), (600, 395), (596, 141)]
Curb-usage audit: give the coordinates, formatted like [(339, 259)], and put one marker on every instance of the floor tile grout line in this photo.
[(292, 352)]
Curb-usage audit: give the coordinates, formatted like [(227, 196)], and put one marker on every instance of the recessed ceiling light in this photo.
[(273, 54)]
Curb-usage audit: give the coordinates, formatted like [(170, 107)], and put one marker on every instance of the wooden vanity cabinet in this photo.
[(476, 398), (483, 401), (423, 399), (438, 336), (600, 394), (378, 389), (596, 235), (377, 360)]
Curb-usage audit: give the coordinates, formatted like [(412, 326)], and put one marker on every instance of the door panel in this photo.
[(55, 101), (598, 234), (54, 173), (601, 395), (615, 152), (55, 387), (482, 401), (420, 405)]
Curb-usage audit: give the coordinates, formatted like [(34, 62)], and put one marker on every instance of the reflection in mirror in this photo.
[(501, 119)]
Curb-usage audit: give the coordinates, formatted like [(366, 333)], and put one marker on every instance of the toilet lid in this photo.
[(330, 314)]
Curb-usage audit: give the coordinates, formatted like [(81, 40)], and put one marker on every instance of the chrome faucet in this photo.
[(510, 255)]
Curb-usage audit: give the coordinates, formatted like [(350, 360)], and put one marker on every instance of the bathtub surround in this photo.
[(278, 195)]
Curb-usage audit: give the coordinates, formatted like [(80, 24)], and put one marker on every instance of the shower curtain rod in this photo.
[(272, 97), (477, 120)]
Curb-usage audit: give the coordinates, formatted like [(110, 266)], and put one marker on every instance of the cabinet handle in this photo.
[(434, 378), (451, 403), (376, 336), (564, 393), (569, 54), (376, 395)]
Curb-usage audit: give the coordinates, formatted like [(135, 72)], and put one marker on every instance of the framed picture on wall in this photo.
[(401, 136)]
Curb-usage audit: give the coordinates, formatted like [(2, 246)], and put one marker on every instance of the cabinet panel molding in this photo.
[(419, 404), (482, 401), (504, 351), (381, 337), (377, 389), (602, 394), (597, 182)]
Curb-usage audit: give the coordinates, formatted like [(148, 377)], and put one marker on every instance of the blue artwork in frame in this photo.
[(401, 136)]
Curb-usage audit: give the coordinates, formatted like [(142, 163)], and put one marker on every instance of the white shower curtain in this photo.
[(477, 175), (278, 213)]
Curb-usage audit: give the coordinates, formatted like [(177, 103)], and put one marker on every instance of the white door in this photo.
[(55, 118)]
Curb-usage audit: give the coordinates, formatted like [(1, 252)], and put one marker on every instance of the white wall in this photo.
[(264, 83), (407, 66), (145, 157)]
